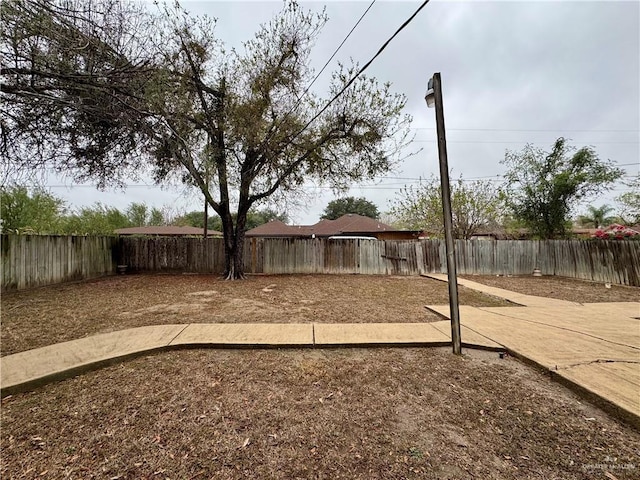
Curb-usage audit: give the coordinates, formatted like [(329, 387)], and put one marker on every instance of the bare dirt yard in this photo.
[(570, 289), (43, 316), (299, 413), (321, 414)]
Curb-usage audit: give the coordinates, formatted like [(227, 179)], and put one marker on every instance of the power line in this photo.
[(522, 141), (497, 177), (528, 130), (318, 74), (374, 186), (332, 56), (353, 79)]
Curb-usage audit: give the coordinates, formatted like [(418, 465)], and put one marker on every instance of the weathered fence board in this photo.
[(33, 260), (29, 261)]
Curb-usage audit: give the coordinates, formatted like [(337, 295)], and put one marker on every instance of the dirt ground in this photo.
[(322, 414), (40, 317), (561, 288)]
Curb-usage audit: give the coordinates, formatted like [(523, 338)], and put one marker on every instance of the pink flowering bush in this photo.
[(616, 232)]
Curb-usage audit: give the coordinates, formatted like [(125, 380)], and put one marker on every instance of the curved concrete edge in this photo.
[(34, 368), (609, 406), (615, 409), (31, 366), (72, 371)]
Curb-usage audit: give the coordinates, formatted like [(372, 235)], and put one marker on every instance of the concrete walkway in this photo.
[(594, 348), (28, 369), (513, 297)]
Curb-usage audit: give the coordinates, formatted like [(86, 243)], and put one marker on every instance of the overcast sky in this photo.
[(513, 73)]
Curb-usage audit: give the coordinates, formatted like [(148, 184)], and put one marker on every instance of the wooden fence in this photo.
[(34, 260), (606, 261), (29, 261)]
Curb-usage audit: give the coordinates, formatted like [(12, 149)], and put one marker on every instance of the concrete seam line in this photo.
[(598, 360), (560, 328), (484, 336), (178, 334)]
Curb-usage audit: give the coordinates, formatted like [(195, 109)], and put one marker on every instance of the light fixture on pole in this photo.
[(430, 96), (434, 98)]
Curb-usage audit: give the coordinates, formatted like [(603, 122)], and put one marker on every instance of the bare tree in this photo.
[(107, 89), (476, 206)]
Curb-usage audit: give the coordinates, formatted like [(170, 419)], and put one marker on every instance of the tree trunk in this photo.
[(234, 246), (234, 260)]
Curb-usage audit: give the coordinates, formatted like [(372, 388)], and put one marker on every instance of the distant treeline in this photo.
[(38, 211)]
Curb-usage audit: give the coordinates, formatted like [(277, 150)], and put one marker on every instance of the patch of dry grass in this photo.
[(330, 414), (44, 316), (570, 289)]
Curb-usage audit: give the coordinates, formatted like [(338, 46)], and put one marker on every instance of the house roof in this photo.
[(276, 228), (583, 231), (166, 231), (349, 224)]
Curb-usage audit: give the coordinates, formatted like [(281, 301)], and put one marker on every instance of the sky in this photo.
[(513, 72)]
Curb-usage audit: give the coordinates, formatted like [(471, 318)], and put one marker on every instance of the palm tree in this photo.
[(597, 217)]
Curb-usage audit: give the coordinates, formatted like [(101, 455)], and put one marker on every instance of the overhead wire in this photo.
[(299, 99), (330, 58), (381, 186), (354, 78), (529, 130), (522, 141)]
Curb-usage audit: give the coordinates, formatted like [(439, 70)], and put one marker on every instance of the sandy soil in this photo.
[(561, 288)]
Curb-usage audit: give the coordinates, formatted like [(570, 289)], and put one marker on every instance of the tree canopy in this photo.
[(630, 203), (104, 90), (140, 215), (341, 206), (475, 206), (98, 219), (597, 217), (544, 188), (254, 219), (30, 212), (41, 212)]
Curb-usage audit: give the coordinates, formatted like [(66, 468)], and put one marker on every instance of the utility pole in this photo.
[(434, 97), (206, 216), (206, 204)]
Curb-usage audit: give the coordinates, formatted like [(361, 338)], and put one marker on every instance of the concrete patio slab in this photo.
[(594, 348), (612, 323), (624, 309), (469, 338), (246, 334), (379, 334), (544, 344)]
